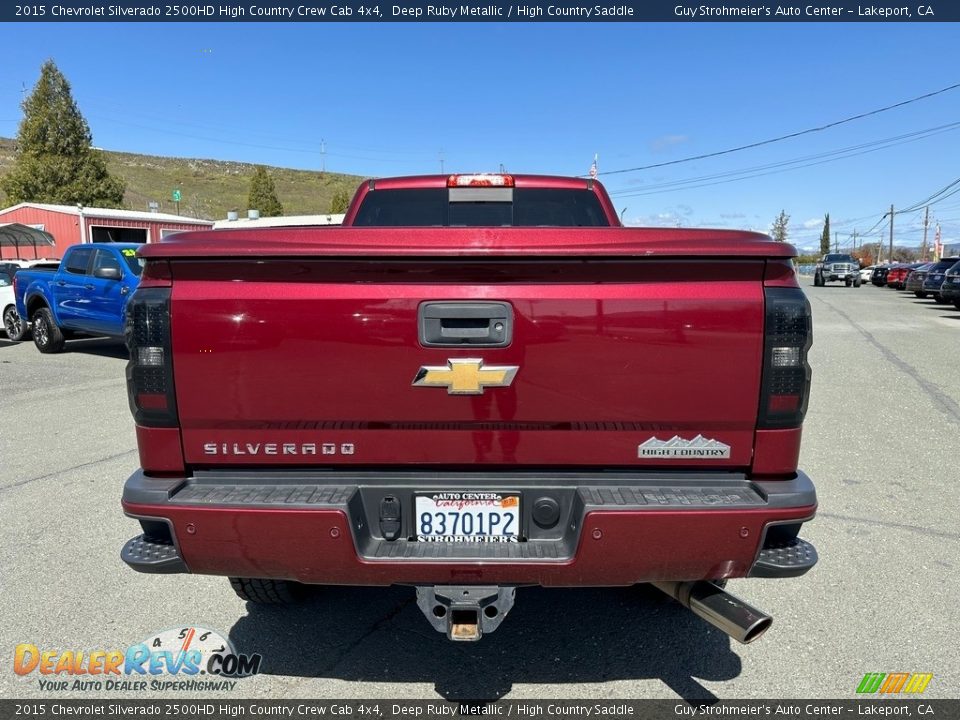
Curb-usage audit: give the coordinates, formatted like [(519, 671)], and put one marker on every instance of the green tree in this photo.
[(54, 162), (779, 229), (339, 202), (263, 194), (825, 235)]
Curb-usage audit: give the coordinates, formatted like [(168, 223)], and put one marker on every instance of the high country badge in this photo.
[(677, 447)]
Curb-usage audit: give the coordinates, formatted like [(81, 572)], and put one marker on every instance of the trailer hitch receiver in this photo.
[(465, 612)]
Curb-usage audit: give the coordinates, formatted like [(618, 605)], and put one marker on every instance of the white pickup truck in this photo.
[(13, 324), (835, 266), (11, 320)]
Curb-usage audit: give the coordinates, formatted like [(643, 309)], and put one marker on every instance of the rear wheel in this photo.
[(937, 298), (46, 335), (919, 294), (818, 280), (14, 325), (265, 591), (857, 282), (848, 282)]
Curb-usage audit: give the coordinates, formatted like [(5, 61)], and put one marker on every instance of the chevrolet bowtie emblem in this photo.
[(465, 376)]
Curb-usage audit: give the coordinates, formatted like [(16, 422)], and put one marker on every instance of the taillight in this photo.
[(788, 334), (480, 180), (150, 368)]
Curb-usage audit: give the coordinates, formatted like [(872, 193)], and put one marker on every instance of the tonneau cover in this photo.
[(459, 242)]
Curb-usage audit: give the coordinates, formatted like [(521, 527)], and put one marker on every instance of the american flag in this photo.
[(593, 168)]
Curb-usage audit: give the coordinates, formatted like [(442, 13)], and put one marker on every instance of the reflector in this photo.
[(786, 357)]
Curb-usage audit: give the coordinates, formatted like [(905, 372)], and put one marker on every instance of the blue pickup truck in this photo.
[(87, 294)]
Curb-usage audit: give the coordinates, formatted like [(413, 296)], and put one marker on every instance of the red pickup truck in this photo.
[(481, 382)]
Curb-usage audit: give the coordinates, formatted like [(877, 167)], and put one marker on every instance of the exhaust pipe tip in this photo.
[(756, 630), (726, 612)]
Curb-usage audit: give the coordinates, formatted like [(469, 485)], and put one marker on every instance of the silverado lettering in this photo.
[(277, 448), (562, 339)]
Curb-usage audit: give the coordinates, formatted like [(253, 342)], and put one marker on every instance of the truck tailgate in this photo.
[(307, 361)]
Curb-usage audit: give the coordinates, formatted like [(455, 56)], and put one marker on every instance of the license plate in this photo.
[(471, 517)]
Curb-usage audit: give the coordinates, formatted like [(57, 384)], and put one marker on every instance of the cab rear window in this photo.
[(943, 265), (515, 207)]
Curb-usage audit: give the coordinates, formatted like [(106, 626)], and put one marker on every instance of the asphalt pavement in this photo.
[(879, 442)]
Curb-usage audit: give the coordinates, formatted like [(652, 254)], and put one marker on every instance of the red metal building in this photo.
[(72, 224)]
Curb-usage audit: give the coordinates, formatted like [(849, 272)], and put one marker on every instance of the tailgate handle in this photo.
[(487, 324)]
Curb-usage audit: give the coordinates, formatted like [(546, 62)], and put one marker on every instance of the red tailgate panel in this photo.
[(274, 357)]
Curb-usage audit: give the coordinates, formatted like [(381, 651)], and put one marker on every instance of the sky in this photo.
[(412, 98)]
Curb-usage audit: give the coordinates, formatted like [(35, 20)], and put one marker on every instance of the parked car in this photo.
[(897, 276), (12, 323), (879, 276), (935, 277), (866, 273), (950, 290), (14, 265), (914, 281)]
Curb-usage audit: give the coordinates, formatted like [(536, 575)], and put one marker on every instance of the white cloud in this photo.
[(661, 219), (665, 142), (812, 223)]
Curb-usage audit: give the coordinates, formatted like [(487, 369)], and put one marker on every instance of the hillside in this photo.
[(209, 188)]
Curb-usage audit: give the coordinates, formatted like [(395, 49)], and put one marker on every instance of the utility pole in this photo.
[(854, 240), (926, 221), (440, 155), (836, 241), (323, 156), (890, 254)]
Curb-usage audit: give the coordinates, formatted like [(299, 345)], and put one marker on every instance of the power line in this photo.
[(785, 165), (788, 136), (931, 200)]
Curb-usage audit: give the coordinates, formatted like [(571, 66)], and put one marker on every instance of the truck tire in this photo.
[(818, 280), (848, 282), (14, 325), (46, 335), (857, 282), (265, 591)]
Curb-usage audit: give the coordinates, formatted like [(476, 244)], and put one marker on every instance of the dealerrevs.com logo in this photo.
[(181, 659)]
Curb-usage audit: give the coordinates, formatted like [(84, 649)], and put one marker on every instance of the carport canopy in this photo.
[(18, 235)]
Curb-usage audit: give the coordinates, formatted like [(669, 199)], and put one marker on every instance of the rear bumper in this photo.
[(612, 528), (950, 291)]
